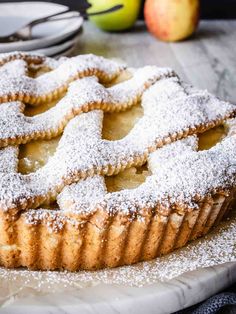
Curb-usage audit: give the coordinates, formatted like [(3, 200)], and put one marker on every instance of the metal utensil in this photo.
[(25, 32)]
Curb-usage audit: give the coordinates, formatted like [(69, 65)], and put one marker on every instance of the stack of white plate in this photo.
[(51, 39)]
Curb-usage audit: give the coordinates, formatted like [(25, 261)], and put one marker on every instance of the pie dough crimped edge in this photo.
[(104, 240)]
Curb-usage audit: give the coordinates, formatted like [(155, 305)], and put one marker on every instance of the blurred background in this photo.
[(161, 32), (210, 9)]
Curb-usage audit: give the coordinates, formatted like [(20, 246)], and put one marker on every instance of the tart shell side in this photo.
[(102, 239)]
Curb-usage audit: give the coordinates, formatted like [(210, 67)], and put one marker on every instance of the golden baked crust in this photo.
[(165, 205), (104, 240)]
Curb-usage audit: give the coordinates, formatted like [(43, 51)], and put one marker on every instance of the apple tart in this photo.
[(102, 165)]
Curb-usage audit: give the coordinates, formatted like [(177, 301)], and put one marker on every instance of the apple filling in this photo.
[(117, 125), (35, 154), (211, 137), (127, 179)]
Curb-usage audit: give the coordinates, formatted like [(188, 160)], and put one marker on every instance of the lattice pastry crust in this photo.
[(186, 194)]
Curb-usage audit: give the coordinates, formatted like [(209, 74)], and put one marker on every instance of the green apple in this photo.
[(119, 20)]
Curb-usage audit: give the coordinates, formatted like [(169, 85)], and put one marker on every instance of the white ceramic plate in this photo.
[(158, 298), (14, 15), (56, 49)]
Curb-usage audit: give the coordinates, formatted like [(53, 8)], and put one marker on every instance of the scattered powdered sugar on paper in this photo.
[(216, 248)]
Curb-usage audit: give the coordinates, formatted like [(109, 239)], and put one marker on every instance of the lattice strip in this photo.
[(170, 112), (82, 96), (50, 85)]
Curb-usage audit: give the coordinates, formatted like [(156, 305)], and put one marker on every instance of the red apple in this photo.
[(171, 20)]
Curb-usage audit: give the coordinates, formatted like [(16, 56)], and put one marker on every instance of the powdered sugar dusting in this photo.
[(170, 108), (82, 95), (66, 71), (181, 180), (29, 57), (163, 116), (9, 155), (9, 159), (231, 125), (86, 193), (171, 151), (13, 68), (82, 195)]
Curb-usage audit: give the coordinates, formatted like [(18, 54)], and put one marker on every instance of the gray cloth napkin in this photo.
[(223, 303)]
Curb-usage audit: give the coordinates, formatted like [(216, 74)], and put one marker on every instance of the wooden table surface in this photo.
[(207, 60)]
